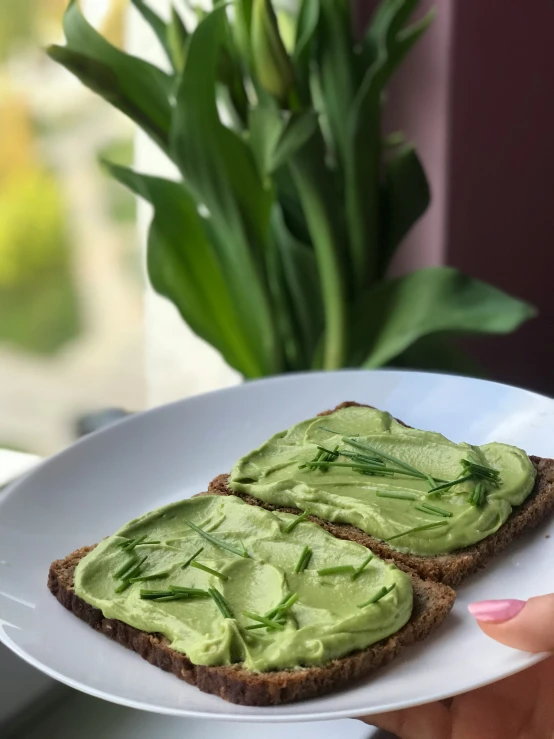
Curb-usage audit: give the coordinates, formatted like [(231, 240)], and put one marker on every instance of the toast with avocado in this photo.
[(258, 607), (441, 509)]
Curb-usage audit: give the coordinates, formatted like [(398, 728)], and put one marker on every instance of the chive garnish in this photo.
[(133, 543), (283, 606), (479, 495), (418, 528), (264, 620), (199, 566), (427, 508), (123, 586), (397, 495), (302, 517), (178, 590), (189, 560), (153, 594), (149, 543), (448, 485), (124, 567), (338, 570), (153, 576), (220, 602), (216, 542), (134, 570), (304, 559), (362, 567), (377, 597), (377, 452), (482, 472)]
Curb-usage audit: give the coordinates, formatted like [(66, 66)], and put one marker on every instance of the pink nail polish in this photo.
[(495, 610)]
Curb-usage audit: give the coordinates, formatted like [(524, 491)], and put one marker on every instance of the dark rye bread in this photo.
[(432, 603), (452, 568)]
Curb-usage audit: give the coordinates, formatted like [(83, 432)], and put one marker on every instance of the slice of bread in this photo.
[(452, 568), (432, 603)]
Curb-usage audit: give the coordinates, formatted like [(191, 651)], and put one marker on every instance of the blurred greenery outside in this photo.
[(39, 306), (70, 270)]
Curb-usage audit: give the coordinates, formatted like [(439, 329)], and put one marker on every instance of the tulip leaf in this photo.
[(397, 313), (405, 196), (221, 172), (157, 24), (298, 130), (440, 353), (184, 267), (132, 85)]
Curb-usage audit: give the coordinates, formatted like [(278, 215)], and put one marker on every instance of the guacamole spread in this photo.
[(209, 570), (357, 466)]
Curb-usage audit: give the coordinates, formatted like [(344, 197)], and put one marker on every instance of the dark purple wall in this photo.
[(477, 97), (500, 219)]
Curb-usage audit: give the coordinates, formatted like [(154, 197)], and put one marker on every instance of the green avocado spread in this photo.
[(257, 561), (391, 504)]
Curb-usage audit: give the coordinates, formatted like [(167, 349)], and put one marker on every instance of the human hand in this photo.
[(518, 707)]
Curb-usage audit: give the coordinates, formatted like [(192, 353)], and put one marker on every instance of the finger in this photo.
[(526, 625), (431, 721)]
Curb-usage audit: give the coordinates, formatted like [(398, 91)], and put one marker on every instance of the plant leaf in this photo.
[(440, 353), (184, 267), (336, 69), (265, 127), (298, 130), (221, 171), (177, 37), (405, 196), (306, 25), (362, 163), (300, 284), (157, 24), (135, 87), (316, 189), (399, 312)]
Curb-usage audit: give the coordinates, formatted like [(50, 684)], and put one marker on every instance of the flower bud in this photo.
[(271, 61)]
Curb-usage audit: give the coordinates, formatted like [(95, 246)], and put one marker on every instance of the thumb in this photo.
[(526, 625)]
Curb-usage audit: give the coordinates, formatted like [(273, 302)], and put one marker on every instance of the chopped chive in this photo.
[(304, 559), (220, 602), (366, 466), (287, 602), (317, 457), (199, 566), (448, 485), (134, 542), (134, 570), (189, 560), (123, 586), (368, 448), (302, 517), (175, 596), (264, 620), (187, 591), (427, 508), (361, 457), (338, 570), (153, 576), (398, 495), (482, 472), (149, 543), (362, 567), (152, 594), (418, 528), (377, 597), (478, 497), (124, 567), (216, 542)]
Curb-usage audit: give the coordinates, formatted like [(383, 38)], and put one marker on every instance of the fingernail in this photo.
[(495, 610)]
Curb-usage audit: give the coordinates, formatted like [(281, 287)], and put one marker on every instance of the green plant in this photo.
[(275, 244)]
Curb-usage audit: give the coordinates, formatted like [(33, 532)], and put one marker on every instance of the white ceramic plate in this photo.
[(172, 452)]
